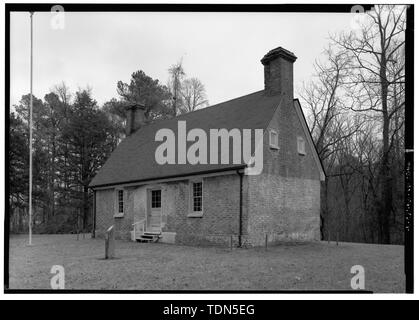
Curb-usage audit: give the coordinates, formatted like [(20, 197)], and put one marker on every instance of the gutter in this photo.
[(240, 173), (94, 215)]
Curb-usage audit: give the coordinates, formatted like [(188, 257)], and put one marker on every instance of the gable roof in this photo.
[(309, 138), (134, 158)]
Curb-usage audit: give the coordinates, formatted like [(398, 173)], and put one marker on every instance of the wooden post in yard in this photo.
[(231, 243), (337, 238), (266, 242), (110, 243), (77, 226)]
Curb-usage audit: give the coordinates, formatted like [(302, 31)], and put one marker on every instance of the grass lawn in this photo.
[(156, 266)]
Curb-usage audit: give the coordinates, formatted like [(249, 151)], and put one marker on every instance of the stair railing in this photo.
[(140, 225)]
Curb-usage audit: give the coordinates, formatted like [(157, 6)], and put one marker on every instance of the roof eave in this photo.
[(185, 175)]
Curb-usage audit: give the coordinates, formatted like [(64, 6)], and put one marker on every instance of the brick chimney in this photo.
[(135, 118), (279, 72)]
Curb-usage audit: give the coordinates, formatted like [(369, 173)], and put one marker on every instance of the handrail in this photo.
[(142, 221)]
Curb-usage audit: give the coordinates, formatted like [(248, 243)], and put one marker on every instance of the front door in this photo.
[(154, 212)]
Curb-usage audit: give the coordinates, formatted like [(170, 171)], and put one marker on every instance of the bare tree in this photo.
[(175, 85), (193, 94), (330, 125), (367, 152), (373, 51), (63, 92)]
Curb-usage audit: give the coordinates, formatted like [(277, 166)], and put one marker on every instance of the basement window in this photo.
[(301, 146), (119, 203), (273, 139), (196, 203)]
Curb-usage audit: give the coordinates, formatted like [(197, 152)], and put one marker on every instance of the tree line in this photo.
[(72, 138), (355, 106)]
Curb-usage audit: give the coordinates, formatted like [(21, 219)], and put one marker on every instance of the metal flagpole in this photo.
[(30, 138)]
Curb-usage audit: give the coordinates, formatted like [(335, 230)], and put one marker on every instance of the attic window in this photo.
[(301, 146), (273, 139), (119, 203)]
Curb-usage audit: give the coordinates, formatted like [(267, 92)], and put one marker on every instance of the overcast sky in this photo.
[(223, 50)]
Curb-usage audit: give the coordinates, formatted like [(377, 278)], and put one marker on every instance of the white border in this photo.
[(180, 296)]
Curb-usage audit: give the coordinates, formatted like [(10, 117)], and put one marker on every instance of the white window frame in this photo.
[(118, 214), (301, 146), (192, 213), (272, 143)]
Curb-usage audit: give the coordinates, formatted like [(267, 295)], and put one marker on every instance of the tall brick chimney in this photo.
[(279, 72), (135, 118)]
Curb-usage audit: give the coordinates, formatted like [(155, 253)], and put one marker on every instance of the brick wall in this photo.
[(284, 201), (278, 76), (286, 209), (220, 217), (106, 208), (286, 161)]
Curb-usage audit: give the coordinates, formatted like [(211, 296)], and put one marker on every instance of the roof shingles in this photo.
[(134, 158)]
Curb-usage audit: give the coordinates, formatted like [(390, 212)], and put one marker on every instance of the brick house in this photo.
[(214, 203)]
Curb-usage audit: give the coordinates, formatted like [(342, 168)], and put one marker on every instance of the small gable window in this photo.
[(301, 146), (119, 203), (196, 199), (273, 139)]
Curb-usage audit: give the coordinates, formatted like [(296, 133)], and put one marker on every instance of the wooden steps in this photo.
[(149, 236)]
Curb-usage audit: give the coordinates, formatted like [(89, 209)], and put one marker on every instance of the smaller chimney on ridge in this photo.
[(279, 72), (135, 118)]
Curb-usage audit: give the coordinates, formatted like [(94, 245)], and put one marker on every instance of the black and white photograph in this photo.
[(208, 148)]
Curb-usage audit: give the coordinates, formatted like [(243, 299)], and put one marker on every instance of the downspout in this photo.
[(94, 215), (240, 173)]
